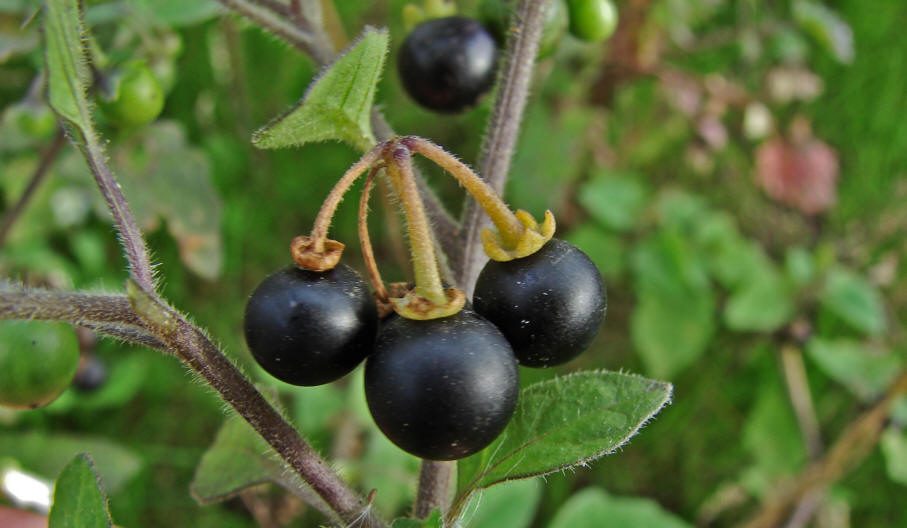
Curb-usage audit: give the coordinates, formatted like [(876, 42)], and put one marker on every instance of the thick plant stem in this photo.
[(203, 357), (503, 128), (425, 263), (434, 484), (41, 171)]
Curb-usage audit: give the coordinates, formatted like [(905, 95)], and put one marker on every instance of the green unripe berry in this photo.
[(592, 20), (37, 362), (133, 96)]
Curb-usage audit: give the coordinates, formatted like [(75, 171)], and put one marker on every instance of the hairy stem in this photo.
[(503, 127), (285, 25), (365, 241), (108, 314), (130, 236), (48, 156)]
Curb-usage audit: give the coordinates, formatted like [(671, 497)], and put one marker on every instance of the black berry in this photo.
[(549, 304), (311, 328), (446, 64), (92, 374), (441, 389)]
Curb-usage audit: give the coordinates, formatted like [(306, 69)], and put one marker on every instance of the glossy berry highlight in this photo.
[(549, 305), (447, 64), (441, 389), (310, 328)]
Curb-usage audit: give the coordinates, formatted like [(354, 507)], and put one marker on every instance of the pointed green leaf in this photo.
[(79, 501), (593, 508), (68, 76), (828, 28), (852, 298), (338, 104), (565, 422), (236, 460)]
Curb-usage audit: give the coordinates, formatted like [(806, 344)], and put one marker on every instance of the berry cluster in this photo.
[(447, 62), (441, 376)]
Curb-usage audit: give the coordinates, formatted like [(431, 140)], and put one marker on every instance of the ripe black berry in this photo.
[(446, 64), (549, 304), (311, 328), (441, 389)]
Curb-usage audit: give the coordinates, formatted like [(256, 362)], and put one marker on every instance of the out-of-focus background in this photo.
[(736, 169)]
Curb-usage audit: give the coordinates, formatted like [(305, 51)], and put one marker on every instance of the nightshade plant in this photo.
[(547, 427)]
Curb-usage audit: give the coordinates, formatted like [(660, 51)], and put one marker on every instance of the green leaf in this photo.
[(338, 104), (863, 369), (827, 27), (237, 459), (674, 319), (764, 304), (67, 70), (565, 422), (46, 455), (852, 298), (894, 448), (167, 178), (390, 470), (771, 437), (593, 508), (512, 504), (614, 200), (79, 501)]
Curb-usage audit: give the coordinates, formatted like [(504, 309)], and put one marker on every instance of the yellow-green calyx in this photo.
[(513, 246), (415, 306)]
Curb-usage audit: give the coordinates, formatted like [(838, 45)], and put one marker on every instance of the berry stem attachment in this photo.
[(429, 299), (317, 252), (365, 242), (517, 233)]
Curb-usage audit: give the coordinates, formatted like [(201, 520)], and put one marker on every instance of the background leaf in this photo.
[(865, 370), (852, 298), (338, 104), (564, 422), (674, 318), (236, 460), (894, 448), (616, 201), (79, 501), (593, 508), (512, 504), (827, 27), (46, 454)]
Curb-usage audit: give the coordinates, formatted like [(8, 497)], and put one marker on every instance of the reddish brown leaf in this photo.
[(801, 174)]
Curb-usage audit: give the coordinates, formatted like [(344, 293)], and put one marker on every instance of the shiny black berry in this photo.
[(441, 389), (446, 64), (310, 328), (549, 304)]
